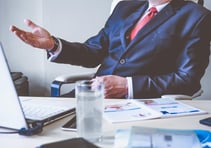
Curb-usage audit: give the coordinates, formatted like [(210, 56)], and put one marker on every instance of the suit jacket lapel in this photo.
[(129, 23)]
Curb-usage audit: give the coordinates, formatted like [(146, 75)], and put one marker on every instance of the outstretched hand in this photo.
[(38, 37)]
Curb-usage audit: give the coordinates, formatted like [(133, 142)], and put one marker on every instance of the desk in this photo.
[(53, 131)]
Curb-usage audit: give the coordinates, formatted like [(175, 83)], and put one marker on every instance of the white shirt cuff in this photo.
[(130, 88)]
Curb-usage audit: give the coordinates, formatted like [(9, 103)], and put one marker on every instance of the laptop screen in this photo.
[(11, 114)]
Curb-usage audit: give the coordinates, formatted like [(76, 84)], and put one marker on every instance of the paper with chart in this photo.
[(144, 109), (124, 111), (170, 107)]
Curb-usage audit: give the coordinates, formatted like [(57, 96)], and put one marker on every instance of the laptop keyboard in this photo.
[(41, 112)]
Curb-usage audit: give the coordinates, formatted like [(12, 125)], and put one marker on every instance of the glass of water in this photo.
[(89, 109)]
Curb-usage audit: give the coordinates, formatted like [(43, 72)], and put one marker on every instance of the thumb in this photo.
[(30, 23)]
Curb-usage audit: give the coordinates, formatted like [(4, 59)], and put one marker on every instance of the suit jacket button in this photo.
[(122, 61)]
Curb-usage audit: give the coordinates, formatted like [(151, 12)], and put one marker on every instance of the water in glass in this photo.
[(89, 114)]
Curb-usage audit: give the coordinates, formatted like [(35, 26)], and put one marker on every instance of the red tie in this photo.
[(152, 12)]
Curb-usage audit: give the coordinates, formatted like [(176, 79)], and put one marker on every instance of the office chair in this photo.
[(67, 79)]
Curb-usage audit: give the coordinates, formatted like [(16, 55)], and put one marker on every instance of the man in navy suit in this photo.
[(168, 55)]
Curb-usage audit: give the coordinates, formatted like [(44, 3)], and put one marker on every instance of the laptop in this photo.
[(16, 112)]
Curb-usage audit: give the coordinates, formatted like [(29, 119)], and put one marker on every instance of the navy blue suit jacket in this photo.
[(168, 56)]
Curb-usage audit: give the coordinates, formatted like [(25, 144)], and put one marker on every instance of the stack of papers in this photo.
[(143, 109)]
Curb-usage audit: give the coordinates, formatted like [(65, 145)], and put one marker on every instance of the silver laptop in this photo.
[(18, 112)]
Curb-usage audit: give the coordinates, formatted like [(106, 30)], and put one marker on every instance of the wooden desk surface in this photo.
[(53, 132)]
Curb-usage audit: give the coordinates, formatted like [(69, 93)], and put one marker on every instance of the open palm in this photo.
[(38, 37)]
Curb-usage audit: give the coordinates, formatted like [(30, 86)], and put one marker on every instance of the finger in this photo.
[(100, 79), (30, 23), (108, 92), (15, 29), (20, 36), (12, 28), (24, 37)]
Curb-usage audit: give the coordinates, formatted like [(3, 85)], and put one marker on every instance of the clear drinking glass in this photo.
[(89, 109)]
